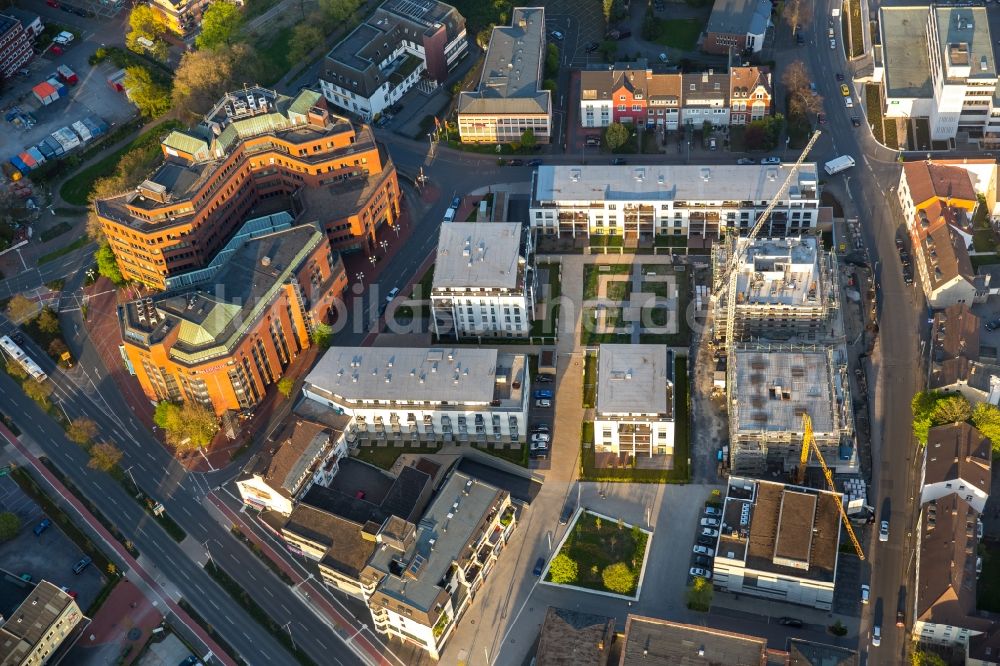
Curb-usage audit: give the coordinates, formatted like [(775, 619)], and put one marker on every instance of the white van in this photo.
[(449, 215), (63, 38)]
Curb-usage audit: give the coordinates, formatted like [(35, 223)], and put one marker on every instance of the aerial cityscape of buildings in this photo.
[(417, 333)]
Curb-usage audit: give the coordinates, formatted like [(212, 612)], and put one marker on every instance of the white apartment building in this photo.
[(425, 395), (706, 99), (635, 401), (937, 63), (484, 280), (695, 202), (778, 542), (401, 43)]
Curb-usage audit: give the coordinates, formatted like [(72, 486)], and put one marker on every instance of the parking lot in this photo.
[(92, 96), (540, 419), (50, 556)]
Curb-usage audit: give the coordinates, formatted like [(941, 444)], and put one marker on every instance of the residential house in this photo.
[(957, 364), (750, 94), (706, 99), (957, 461)]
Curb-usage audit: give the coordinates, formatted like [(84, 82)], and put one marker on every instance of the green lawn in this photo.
[(52, 232), (592, 273), (590, 381), (679, 34), (984, 260), (550, 291), (517, 456), (385, 456), (873, 106), (857, 36), (655, 316), (595, 543), (682, 337), (255, 8), (273, 53), (661, 289), (988, 586), (66, 249), (984, 239), (657, 269)]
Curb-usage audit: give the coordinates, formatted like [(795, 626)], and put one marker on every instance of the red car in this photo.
[(52, 3), (55, 49)]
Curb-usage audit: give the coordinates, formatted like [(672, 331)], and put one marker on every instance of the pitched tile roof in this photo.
[(955, 332), (941, 249), (928, 180), (569, 638), (747, 79), (958, 451)]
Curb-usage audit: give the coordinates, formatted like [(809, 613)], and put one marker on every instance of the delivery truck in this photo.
[(838, 164)]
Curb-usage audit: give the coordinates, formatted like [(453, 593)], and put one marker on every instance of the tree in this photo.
[(952, 409), (550, 85), (81, 431), (699, 595), (919, 657), (615, 136), (563, 569), (107, 264), (797, 13), (219, 25), (20, 308), (322, 335), (934, 408), (306, 36), (285, 386), (10, 525), (148, 24), (528, 141), (606, 7), (47, 321), (57, 348), (337, 12), (149, 95), (618, 578), (801, 99), (38, 391), (986, 418), (104, 456), (15, 370), (94, 229), (551, 61), (609, 49), (188, 426), (202, 77)]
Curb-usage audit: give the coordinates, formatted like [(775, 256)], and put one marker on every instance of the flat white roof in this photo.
[(657, 182), (480, 255), (632, 379), (460, 375), (774, 388), (780, 271)]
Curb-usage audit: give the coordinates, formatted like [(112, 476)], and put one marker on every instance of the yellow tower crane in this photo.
[(809, 443)]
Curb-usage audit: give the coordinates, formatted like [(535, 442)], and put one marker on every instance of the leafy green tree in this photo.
[(285, 386), (550, 85), (953, 409), (107, 265), (338, 11), (563, 569), (21, 308), (322, 335), (919, 657), (618, 577), (528, 140), (149, 95), (81, 431), (146, 23), (699, 595), (615, 136), (104, 456), (47, 321), (606, 7), (203, 76), (551, 61), (10, 525), (188, 426), (38, 391), (15, 370), (219, 25), (986, 418), (934, 408), (306, 36)]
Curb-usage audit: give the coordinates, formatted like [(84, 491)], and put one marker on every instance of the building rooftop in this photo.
[(669, 183), (632, 379), (904, 49), (942, 249), (299, 445), (24, 16), (740, 17), (651, 640), (955, 332), (774, 388), (780, 271), (209, 323), (598, 83), (7, 22), (928, 179), (480, 255), (444, 536), (29, 623), (569, 638), (964, 42), (776, 528), (958, 451), (463, 376), (808, 653), (347, 547), (512, 73)]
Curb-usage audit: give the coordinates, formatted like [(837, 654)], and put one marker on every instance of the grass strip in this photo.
[(385, 456), (63, 251), (55, 231), (168, 524)]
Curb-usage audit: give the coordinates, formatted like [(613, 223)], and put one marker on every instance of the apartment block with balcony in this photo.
[(635, 402), (223, 339), (15, 46), (698, 203), (399, 45), (461, 395), (256, 153), (484, 280), (510, 99)]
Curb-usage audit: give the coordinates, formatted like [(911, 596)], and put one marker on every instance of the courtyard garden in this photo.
[(602, 554)]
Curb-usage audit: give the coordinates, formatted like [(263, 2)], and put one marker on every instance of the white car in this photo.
[(877, 636), (865, 594), (709, 532), (713, 511), (698, 572), (883, 531), (543, 403), (709, 522), (833, 43), (704, 550), (540, 437), (393, 293), (556, 35), (771, 160), (539, 446), (63, 38), (849, 103)]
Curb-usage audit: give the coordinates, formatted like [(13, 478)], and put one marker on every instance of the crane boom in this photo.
[(734, 259), (809, 443)]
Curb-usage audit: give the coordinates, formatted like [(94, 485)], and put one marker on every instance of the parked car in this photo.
[(592, 46), (790, 622), (709, 532), (567, 513), (771, 160), (556, 35), (543, 394), (618, 161), (698, 572), (26, 577), (844, 90), (540, 437), (55, 49), (539, 566), (877, 636), (743, 161), (540, 427), (883, 531), (900, 619), (703, 550), (515, 162), (543, 379), (709, 522), (855, 121), (713, 511), (821, 118), (71, 593), (543, 403), (713, 144), (81, 565), (42, 526), (833, 43), (593, 141), (456, 202), (539, 446), (534, 163), (865, 593), (64, 38)]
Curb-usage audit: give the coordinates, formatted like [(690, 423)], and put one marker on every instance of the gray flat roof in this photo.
[(448, 530), (780, 271), (904, 48), (478, 254), (774, 388), (459, 375), (511, 79), (631, 379), (667, 183), (966, 26)]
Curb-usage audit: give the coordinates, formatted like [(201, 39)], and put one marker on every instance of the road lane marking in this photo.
[(286, 609), (217, 608)]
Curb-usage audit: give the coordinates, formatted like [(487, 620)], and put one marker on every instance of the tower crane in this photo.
[(736, 246), (809, 444)]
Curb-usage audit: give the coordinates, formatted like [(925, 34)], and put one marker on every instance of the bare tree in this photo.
[(797, 13), (801, 98)]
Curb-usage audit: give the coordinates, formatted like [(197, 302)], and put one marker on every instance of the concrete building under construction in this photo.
[(772, 387), (785, 289)]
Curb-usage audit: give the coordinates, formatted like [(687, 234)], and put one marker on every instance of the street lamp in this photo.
[(360, 277), (373, 260), (384, 244)]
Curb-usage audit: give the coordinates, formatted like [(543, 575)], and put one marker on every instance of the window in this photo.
[(637, 107), (621, 107)]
